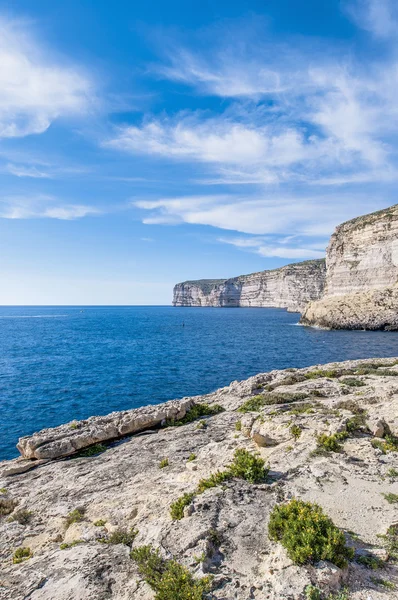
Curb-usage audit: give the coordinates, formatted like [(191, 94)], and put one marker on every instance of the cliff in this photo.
[(196, 488), (291, 287), (361, 275)]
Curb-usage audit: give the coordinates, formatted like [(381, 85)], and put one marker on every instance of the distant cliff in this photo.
[(291, 287), (361, 275)]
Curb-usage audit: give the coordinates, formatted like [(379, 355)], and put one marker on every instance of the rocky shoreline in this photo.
[(328, 433)]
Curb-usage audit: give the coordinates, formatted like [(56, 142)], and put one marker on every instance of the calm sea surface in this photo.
[(64, 363)]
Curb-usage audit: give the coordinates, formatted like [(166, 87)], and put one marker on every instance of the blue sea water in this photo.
[(63, 363)]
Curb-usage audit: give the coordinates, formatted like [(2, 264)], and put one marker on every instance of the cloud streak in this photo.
[(35, 91), (43, 207)]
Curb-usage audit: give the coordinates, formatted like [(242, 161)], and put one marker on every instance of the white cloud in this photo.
[(274, 248), (26, 171), (380, 17), (41, 206), (312, 216), (35, 89)]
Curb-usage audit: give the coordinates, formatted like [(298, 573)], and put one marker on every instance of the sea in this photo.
[(58, 364)]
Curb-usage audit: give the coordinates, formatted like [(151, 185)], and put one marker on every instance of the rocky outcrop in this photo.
[(72, 437), (291, 287), (80, 516), (361, 275)]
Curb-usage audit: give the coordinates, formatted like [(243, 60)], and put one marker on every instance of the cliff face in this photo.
[(291, 287), (361, 275)]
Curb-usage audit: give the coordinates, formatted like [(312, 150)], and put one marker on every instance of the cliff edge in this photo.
[(291, 287), (361, 275)]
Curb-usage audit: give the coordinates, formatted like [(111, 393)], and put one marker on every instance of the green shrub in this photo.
[(201, 424), (238, 426), (66, 545), (7, 505), (352, 406), (296, 431), (390, 541), (391, 498), (352, 382), (22, 516), (248, 466), (198, 410), (383, 582), (191, 457), (213, 480), (164, 463), (75, 516), (91, 450), (121, 536), (389, 444), (356, 424), (255, 403), (370, 561), (331, 443), (392, 473), (168, 579), (308, 534), (99, 523), (21, 554), (3, 490), (177, 507), (317, 374)]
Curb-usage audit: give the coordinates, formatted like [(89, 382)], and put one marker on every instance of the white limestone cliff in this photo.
[(291, 287)]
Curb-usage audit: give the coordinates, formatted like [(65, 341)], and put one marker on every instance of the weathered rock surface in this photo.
[(291, 287), (225, 531), (361, 276), (68, 439)]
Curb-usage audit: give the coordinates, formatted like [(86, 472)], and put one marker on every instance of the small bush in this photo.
[(197, 411), (331, 443), (93, 450), (7, 505), (177, 507), (317, 374), (255, 403), (66, 545), (392, 473), (238, 426), (3, 490), (391, 498), (248, 466), (352, 382), (308, 534), (213, 480), (390, 541), (121, 536), (169, 579), (357, 424), (21, 554), (383, 582), (370, 561), (75, 516), (22, 516), (99, 523), (352, 406), (296, 431), (389, 444), (164, 463), (74, 425), (191, 457)]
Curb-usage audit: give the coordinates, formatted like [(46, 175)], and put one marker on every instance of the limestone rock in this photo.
[(377, 427), (291, 287), (68, 439), (361, 276)]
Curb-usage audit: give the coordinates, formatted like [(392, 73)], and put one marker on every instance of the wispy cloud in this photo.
[(35, 89), (268, 247), (312, 216), (42, 206), (380, 17), (26, 171)]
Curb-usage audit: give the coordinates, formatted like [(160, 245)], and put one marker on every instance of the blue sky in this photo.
[(142, 144)]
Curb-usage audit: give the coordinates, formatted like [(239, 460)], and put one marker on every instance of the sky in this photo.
[(144, 144)]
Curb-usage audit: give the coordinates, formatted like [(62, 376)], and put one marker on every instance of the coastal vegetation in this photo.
[(308, 534)]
